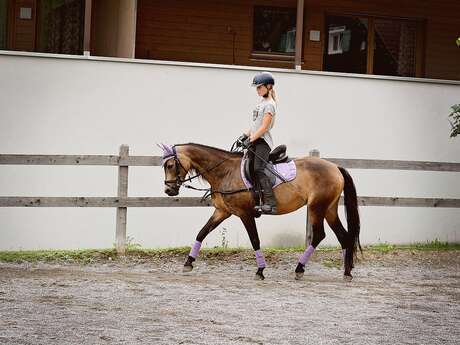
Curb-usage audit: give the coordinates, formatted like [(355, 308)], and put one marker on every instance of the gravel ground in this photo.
[(401, 297)]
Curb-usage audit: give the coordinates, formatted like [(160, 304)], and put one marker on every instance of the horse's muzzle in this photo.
[(172, 191)]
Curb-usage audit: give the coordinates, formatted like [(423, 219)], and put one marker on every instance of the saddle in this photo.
[(278, 155), (277, 161)]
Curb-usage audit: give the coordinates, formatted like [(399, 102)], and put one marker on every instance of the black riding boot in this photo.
[(269, 205)]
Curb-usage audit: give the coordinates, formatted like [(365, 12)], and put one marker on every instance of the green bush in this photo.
[(455, 122)]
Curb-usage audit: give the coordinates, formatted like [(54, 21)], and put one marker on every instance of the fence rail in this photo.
[(19, 201), (122, 201), (111, 160)]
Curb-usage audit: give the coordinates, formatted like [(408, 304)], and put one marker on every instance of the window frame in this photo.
[(419, 38), (258, 55)]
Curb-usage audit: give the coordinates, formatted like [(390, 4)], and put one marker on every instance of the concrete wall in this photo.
[(71, 105)]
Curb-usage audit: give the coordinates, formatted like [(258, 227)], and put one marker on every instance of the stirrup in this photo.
[(266, 209)]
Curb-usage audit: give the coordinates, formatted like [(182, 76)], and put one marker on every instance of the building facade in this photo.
[(409, 38)]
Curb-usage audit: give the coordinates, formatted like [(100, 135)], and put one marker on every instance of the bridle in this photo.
[(178, 181)]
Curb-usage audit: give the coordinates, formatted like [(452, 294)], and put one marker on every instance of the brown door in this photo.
[(22, 25)]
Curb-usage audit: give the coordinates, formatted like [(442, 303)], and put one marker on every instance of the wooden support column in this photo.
[(298, 34), (87, 32), (308, 228), (370, 46), (122, 193)]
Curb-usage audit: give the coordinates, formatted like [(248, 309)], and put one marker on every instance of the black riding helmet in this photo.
[(263, 78)]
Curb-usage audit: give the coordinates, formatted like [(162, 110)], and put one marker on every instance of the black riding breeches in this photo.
[(262, 150)]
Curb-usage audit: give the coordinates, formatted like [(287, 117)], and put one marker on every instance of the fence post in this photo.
[(308, 228), (122, 193)]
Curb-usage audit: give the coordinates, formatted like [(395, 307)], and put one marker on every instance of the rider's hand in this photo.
[(246, 142), (242, 137)]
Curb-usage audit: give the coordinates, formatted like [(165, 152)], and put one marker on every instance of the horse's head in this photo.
[(175, 169)]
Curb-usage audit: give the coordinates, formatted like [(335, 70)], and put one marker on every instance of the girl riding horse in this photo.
[(318, 184), (259, 138)]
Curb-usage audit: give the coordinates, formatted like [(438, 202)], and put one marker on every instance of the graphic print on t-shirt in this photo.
[(255, 112)]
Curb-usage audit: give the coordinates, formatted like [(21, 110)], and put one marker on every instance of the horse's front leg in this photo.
[(217, 217), (250, 225)]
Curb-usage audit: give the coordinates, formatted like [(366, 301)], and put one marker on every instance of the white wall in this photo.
[(78, 106)]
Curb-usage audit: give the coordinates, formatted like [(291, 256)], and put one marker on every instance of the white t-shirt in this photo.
[(264, 106)]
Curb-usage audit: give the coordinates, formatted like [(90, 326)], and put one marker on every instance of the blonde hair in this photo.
[(272, 93)]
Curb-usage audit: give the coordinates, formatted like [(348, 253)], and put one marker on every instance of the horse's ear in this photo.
[(161, 146), (168, 149)]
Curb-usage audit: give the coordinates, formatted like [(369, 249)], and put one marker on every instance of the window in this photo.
[(346, 48), (393, 50), (61, 26), (274, 30), (51, 26)]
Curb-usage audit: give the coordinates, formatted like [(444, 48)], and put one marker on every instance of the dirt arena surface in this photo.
[(400, 297)]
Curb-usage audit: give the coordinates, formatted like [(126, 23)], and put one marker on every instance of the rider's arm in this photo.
[(265, 125)]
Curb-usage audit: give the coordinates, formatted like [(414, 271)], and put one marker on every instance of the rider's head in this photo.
[(264, 82)]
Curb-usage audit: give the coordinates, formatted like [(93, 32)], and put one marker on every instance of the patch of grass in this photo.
[(82, 256), (381, 247), (85, 256), (332, 263), (435, 245)]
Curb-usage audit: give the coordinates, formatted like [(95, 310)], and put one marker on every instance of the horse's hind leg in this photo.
[(334, 222), (316, 219)]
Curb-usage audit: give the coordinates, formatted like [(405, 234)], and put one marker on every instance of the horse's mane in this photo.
[(193, 171), (235, 154)]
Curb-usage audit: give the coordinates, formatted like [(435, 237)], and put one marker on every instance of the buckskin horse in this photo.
[(318, 184)]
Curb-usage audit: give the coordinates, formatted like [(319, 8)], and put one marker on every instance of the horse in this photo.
[(318, 184)]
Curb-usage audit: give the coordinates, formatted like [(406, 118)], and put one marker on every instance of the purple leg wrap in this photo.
[(195, 249), (303, 259), (344, 251), (260, 259)]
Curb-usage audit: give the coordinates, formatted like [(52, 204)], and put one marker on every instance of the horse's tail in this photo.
[(352, 214)]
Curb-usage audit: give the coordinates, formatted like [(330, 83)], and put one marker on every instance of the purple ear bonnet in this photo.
[(168, 152)]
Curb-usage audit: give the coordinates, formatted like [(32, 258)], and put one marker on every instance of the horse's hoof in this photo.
[(347, 278), (299, 271), (187, 268), (259, 276)]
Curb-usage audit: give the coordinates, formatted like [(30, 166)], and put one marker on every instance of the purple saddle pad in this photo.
[(288, 170)]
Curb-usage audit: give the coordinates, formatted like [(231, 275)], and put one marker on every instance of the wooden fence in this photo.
[(122, 201)]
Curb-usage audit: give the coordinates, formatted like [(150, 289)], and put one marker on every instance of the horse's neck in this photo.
[(203, 159)]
